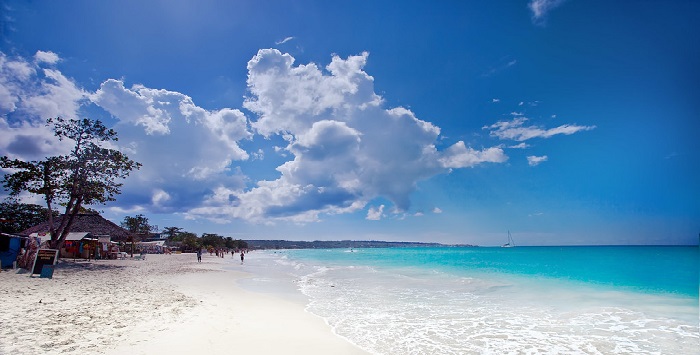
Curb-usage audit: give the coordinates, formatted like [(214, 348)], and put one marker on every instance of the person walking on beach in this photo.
[(199, 255), (242, 257)]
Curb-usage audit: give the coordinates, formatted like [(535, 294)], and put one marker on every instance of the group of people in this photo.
[(221, 253)]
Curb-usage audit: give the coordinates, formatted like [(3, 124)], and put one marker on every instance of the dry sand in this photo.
[(167, 304)]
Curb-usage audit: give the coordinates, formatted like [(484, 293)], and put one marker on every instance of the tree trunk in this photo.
[(72, 210)]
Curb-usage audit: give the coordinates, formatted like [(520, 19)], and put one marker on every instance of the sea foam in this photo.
[(402, 308)]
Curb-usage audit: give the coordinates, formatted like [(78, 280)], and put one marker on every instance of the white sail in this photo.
[(510, 243)]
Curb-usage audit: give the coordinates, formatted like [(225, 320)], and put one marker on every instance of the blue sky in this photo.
[(565, 122)]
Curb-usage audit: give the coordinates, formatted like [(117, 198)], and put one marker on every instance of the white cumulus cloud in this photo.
[(46, 57), (29, 94), (347, 148), (460, 156), (375, 213), (35, 92), (186, 150)]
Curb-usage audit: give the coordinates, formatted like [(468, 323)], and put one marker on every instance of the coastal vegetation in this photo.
[(141, 229), (89, 174), (138, 225), (331, 244), (16, 216), (187, 241)]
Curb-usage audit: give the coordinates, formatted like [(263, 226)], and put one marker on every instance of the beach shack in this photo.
[(91, 236), (86, 246)]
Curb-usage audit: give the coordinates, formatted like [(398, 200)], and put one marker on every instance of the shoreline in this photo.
[(165, 304)]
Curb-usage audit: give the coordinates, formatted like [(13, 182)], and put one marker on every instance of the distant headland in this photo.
[(331, 244)]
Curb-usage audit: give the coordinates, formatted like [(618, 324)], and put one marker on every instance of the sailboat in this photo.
[(510, 243)]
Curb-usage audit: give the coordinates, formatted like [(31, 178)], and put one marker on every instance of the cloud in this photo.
[(347, 148), (459, 156), (30, 90), (514, 130), (29, 94), (291, 98), (46, 57), (287, 39), (533, 160), (159, 197), (56, 96), (437, 210), (13, 73), (375, 213), (29, 140), (186, 150), (259, 155), (495, 100), (343, 148), (522, 145), (541, 8)]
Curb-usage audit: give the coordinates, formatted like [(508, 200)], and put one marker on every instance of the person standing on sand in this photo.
[(242, 256), (199, 255)]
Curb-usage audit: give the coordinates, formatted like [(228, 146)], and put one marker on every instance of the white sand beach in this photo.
[(166, 304)]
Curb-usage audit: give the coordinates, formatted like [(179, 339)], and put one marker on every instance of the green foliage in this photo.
[(88, 210), (16, 217), (89, 174), (172, 233), (94, 170), (186, 241), (138, 225), (209, 240), (47, 178), (216, 241), (236, 244), (190, 241)]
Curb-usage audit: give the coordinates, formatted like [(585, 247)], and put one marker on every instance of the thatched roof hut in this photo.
[(91, 223)]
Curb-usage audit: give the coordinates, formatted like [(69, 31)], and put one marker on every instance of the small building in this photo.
[(89, 230), (151, 247), (87, 246)]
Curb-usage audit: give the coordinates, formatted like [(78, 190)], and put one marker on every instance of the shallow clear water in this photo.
[(588, 300)]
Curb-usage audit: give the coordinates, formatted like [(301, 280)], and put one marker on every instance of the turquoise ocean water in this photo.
[(459, 300)]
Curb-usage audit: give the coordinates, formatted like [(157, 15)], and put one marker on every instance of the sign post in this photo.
[(44, 262)]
